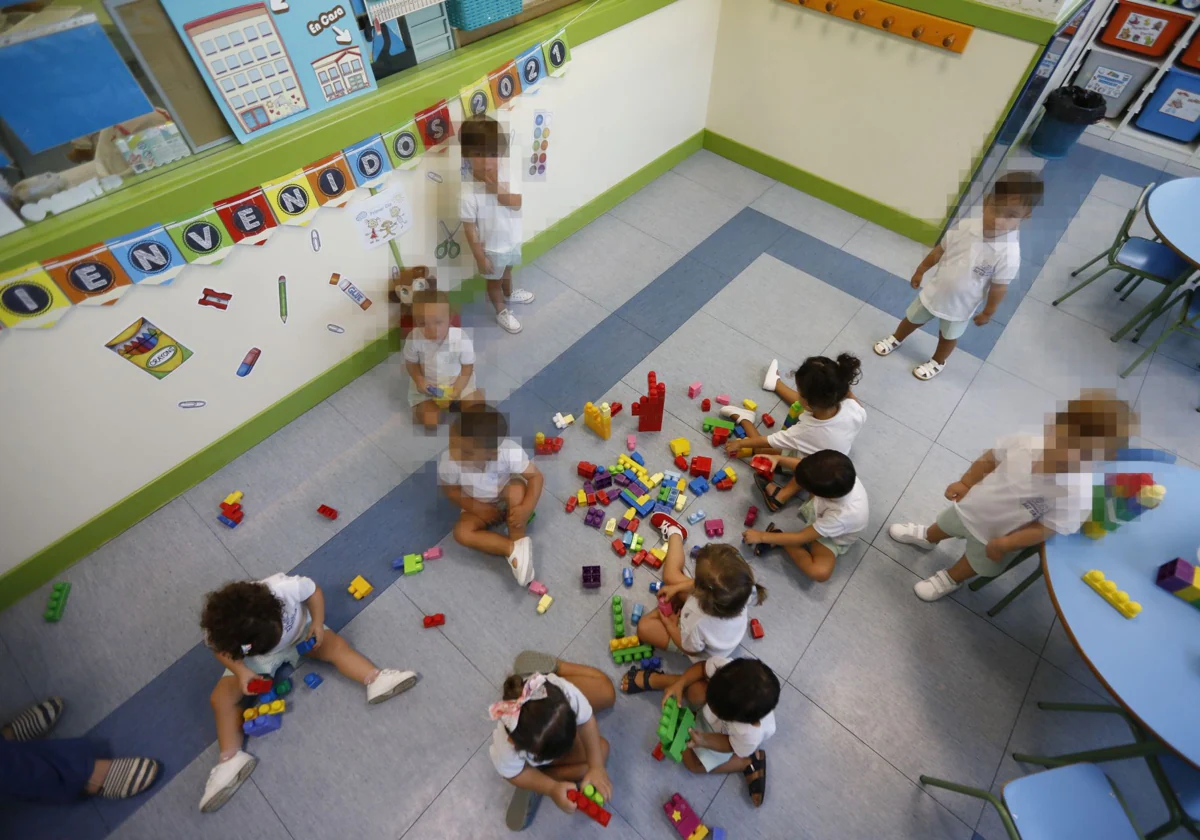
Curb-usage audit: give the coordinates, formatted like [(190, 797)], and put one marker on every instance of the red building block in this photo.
[(719, 437), (571, 503), (768, 421), (586, 470), (603, 498), (640, 557), (649, 409), (327, 512), (591, 499), (619, 548), (723, 484), (756, 629), (761, 464), (260, 686), (614, 409), (435, 620), (681, 463), (701, 466), (751, 516), (587, 806), (706, 404)]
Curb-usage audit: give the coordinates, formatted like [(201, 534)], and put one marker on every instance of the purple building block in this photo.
[(594, 517), (591, 577), (637, 488), (714, 528), (621, 479), (588, 487), (1175, 575), (600, 481), (262, 725)]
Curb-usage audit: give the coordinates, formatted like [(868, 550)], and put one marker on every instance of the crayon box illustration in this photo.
[(148, 347)]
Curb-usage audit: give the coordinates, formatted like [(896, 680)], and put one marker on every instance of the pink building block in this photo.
[(714, 528), (664, 606), (434, 553), (537, 588), (631, 442), (723, 399), (681, 815), (693, 390)]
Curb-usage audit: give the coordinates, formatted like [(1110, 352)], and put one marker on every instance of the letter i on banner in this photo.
[(148, 255), (291, 198), (435, 126), (558, 54), (90, 275), (404, 145), (30, 298), (247, 217), (477, 98), (201, 238), (368, 162), (331, 180), (506, 85)]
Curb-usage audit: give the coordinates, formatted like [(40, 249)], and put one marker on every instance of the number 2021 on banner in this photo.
[(558, 54)]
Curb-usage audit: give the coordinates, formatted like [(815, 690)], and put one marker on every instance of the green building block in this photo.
[(633, 654), (413, 563), (618, 617), (668, 721), (529, 521), (711, 423), (679, 744), (673, 729), (664, 492), (283, 687), (57, 601)]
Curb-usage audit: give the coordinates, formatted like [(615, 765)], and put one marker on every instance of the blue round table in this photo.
[(1173, 210), (1150, 663)]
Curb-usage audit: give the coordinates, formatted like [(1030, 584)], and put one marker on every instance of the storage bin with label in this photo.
[(1115, 77), (1173, 110), (1139, 28), (1190, 57)]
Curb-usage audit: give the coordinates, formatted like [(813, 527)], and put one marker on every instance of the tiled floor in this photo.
[(705, 274)]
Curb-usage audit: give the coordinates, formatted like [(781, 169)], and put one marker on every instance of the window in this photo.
[(256, 118), (281, 65), (328, 91), (236, 38), (236, 101), (276, 88), (262, 91), (337, 85), (240, 78), (323, 76), (245, 56), (207, 47), (250, 97), (268, 70), (347, 69), (222, 42), (273, 46), (289, 82), (356, 81), (264, 28), (333, 72), (254, 75), (260, 52), (251, 33), (356, 64), (218, 66), (232, 61), (227, 85)]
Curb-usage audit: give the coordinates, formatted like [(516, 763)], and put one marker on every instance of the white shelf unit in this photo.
[(1122, 129)]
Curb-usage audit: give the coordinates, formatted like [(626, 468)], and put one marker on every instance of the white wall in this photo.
[(83, 428), (886, 117)]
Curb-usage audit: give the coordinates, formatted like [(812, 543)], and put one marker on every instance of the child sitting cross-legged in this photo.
[(440, 360)]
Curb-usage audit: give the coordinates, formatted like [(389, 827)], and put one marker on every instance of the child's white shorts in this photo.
[(950, 330), (269, 663), (502, 260), (709, 758)]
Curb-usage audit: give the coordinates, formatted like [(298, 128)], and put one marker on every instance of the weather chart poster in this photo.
[(271, 63)]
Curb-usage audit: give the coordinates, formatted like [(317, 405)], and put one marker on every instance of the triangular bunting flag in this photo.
[(505, 83), (30, 298), (404, 145), (434, 125), (90, 275), (148, 255), (247, 217), (201, 238), (532, 67), (331, 180), (477, 98), (558, 54), (368, 162), (291, 198)]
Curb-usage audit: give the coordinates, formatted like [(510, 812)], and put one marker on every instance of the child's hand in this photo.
[(752, 537), (733, 447), (486, 267), (916, 279), (982, 318), (597, 777), (996, 550), (245, 675), (671, 620), (956, 491), (675, 690), (697, 739), (560, 796), (317, 634)]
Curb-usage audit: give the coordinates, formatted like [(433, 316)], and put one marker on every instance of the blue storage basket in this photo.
[(1186, 126), (472, 14)]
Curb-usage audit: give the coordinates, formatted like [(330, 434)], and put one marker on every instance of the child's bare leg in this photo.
[(495, 293), (652, 631), (815, 560), (673, 572), (426, 414), (594, 684), (350, 663), (788, 395), (935, 534), (944, 348), (514, 494), (506, 281), (905, 329), (226, 701), (697, 693), (573, 766), (472, 532), (961, 571)]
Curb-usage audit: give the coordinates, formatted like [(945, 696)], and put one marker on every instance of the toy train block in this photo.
[(359, 588), (1181, 579), (327, 512), (694, 390), (756, 629), (1107, 590)]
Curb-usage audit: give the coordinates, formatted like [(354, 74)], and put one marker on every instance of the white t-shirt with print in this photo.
[(291, 591), (507, 759), (957, 285), (808, 434), (484, 483), (841, 520), (1013, 495), (499, 226), (441, 363), (710, 635), (745, 738)]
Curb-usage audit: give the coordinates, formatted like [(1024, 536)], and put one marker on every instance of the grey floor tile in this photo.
[(887, 381), (320, 458), (1120, 193), (1062, 354), (134, 608), (763, 300), (1121, 150), (15, 693), (608, 261), (1180, 170), (173, 811), (676, 210), (930, 687), (885, 456), (818, 773), (1054, 733), (996, 404), (1061, 652), (400, 754), (1167, 405), (810, 215), (887, 250), (724, 177)]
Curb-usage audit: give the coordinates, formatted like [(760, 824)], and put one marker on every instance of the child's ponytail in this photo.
[(824, 382), (513, 684), (850, 368), (760, 593)]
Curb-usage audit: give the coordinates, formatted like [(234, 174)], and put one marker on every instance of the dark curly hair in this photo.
[(724, 581), (825, 382), (744, 691), (545, 728), (244, 612)]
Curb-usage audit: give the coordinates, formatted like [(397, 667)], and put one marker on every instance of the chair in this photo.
[(1073, 801), (1186, 322)]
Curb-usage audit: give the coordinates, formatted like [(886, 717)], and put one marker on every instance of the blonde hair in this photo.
[(724, 581)]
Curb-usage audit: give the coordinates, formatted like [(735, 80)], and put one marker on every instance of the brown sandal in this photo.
[(769, 498), (756, 777), (758, 547)]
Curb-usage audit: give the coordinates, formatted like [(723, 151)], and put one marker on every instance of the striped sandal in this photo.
[(756, 777), (128, 777), (37, 720)]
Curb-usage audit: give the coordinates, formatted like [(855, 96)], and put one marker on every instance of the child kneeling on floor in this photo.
[(739, 697), (834, 515), (491, 478), (440, 360), (546, 741), (1024, 490), (252, 628)]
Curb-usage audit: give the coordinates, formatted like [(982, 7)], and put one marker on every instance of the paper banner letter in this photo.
[(30, 298), (201, 239), (532, 65), (506, 85), (404, 145), (149, 348), (434, 125), (331, 180), (247, 217), (148, 255), (291, 198), (477, 98), (558, 54), (368, 162), (89, 275)]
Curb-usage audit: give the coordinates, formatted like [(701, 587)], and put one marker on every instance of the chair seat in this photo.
[(1185, 781), (1152, 258), (1073, 801)]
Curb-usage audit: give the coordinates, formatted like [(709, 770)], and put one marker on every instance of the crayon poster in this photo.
[(149, 348), (269, 63)]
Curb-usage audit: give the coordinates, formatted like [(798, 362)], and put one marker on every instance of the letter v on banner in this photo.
[(201, 238)]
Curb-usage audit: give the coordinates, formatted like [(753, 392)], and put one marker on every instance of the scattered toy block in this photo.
[(359, 588), (305, 646), (696, 517), (591, 577), (750, 404), (627, 576), (262, 725), (701, 466), (434, 553), (706, 405), (259, 686), (589, 807), (561, 422), (413, 563), (639, 558), (659, 555), (585, 469), (1180, 578), (694, 390), (655, 585), (228, 523), (435, 620), (768, 421), (619, 548), (673, 726), (544, 604), (664, 606), (636, 615), (756, 629), (598, 419), (610, 527), (683, 818), (327, 512), (603, 498), (594, 517), (537, 588), (680, 502), (572, 503), (698, 486), (722, 399), (618, 617), (751, 516), (615, 409), (739, 432), (313, 680), (1150, 497), (57, 601), (637, 458), (1107, 590), (651, 664), (233, 498), (1094, 530), (714, 528), (762, 465), (657, 752)]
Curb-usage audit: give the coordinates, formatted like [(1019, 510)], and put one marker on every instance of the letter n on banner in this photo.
[(201, 238), (291, 198), (148, 255), (404, 145), (331, 180), (247, 217), (30, 298), (90, 275)]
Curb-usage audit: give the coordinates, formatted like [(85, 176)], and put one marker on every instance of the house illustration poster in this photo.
[(271, 63)]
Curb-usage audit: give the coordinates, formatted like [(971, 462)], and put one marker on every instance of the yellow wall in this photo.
[(882, 116)]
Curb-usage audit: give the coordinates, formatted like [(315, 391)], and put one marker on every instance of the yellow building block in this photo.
[(660, 553), (750, 404), (249, 714), (1107, 590), (610, 527), (1151, 497), (624, 642), (1094, 530), (359, 588), (680, 501), (581, 497), (544, 604), (643, 499), (234, 497), (654, 481), (629, 514), (598, 419), (700, 833), (680, 446), (732, 475), (278, 707), (539, 438), (681, 484)]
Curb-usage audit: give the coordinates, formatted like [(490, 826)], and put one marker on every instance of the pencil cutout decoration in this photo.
[(283, 298)]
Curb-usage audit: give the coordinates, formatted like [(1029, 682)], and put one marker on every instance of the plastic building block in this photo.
[(591, 577), (627, 576), (544, 604), (680, 503), (1107, 590), (649, 409), (651, 664), (233, 498), (598, 419), (1150, 497), (603, 498), (624, 642), (1094, 530), (655, 585), (683, 818), (693, 518), (572, 503), (696, 549), (659, 554), (664, 606), (262, 725), (722, 399), (305, 646), (359, 588), (639, 558), (1179, 577), (618, 617), (57, 601), (706, 405), (739, 432), (584, 804), (710, 423), (636, 615), (714, 528), (434, 553), (756, 629), (657, 751), (327, 512), (768, 421), (694, 390), (548, 446), (228, 523), (283, 687), (585, 469), (593, 794), (413, 563), (537, 588), (610, 527), (750, 404), (260, 686), (673, 728), (637, 458), (716, 833), (435, 620), (618, 548), (594, 517), (751, 516), (762, 465), (313, 680), (701, 466), (561, 422)]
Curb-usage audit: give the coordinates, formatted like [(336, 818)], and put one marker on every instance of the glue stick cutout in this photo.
[(193, 404), (314, 236), (248, 363), (353, 292), (334, 328)]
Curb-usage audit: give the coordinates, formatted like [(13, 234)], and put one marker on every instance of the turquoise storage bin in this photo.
[(472, 14), (1174, 108)]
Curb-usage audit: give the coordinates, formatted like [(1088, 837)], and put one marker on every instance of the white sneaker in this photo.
[(938, 586), (521, 560), (520, 296), (911, 534), (508, 321), (225, 779), (772, 377), (737, 415), (389, 683)]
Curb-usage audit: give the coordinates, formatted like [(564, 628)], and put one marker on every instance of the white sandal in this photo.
[(928, 370), (886, 345)]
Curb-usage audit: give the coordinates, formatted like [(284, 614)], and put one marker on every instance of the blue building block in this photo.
[(698, 485), (696, 517), (270, 697), (636, 615), (663, 507), (627, 539), (652, 664), (627, 576), (739, 432), (715, 832), (696, 550), (262, 725), (637, 458), (312, 680), (307, 645), (224, 520), (655, 585), (670, 477)]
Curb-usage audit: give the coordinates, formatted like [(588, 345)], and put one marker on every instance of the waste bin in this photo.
[(1069, 111)]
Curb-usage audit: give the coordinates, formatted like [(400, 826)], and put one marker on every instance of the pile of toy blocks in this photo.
[(794, 413), (725, 479), (673, 729), (598, 419), (231, 510), (266, 715), (1181, 579), (1122, 498), (543, 445), (686, 823)]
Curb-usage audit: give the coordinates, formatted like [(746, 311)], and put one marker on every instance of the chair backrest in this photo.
[(1123, 234)]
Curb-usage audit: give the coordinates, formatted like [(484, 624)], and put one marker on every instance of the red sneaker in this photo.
[(663, 522)]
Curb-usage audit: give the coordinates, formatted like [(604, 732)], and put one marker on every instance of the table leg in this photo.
[(1137, 750)]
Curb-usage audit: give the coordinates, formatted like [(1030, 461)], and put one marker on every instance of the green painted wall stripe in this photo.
[(202, 179), (922, 230), (50, 561), (992, 18)]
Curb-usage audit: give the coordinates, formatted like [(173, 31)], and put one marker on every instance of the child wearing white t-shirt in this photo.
[(834, 515), (252, 628), (546, 741), (492, 479), (490, 211), (976, 260), (1021, 492), (832, 419), (440, 360), (739, 697)]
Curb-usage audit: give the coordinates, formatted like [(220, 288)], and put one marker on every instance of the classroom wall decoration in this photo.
[(268, 65), (38, 295)]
